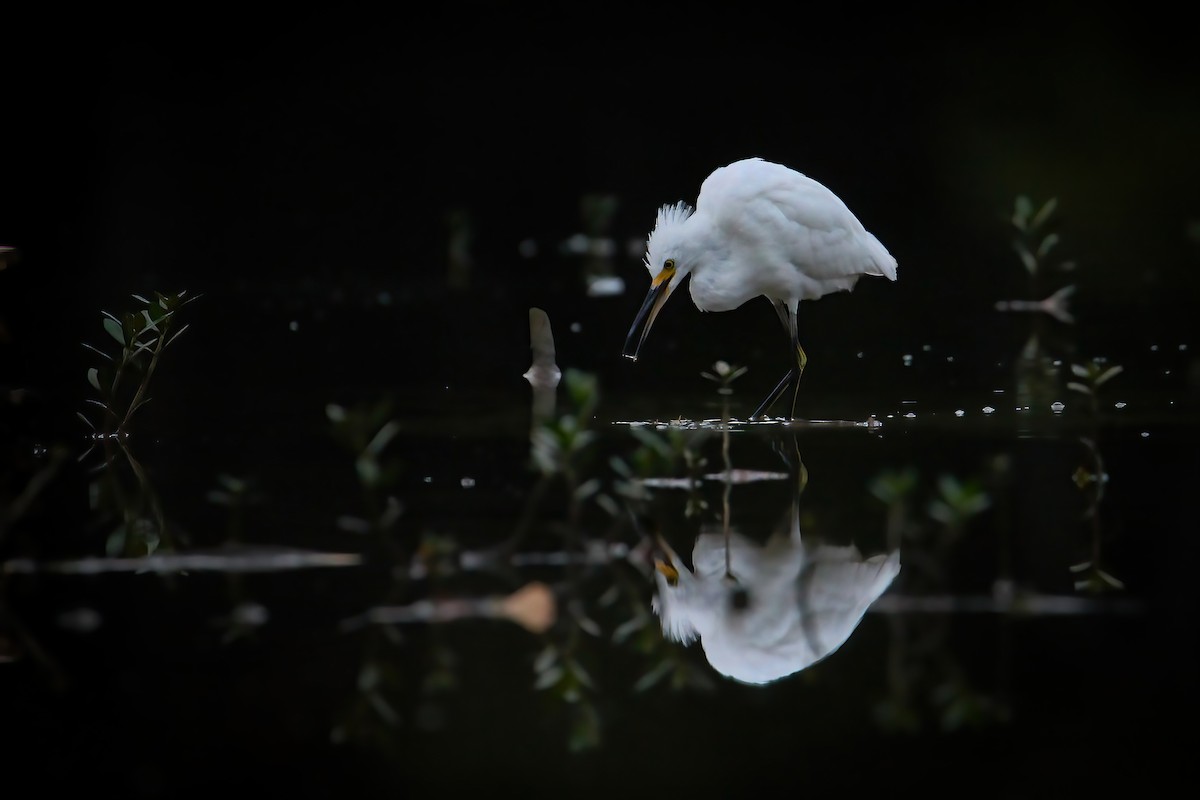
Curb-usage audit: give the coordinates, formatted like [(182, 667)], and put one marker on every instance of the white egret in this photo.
[(758, 228), (771, 609)]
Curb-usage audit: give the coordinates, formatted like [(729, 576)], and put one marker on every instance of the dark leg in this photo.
[(792, 378), (775, 394), (801, 360), (789, 322), (787, 447)]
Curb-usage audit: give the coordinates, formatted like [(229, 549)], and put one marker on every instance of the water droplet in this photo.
[(428, 479), (1119, 405), (293, 326), (950, 359), (1145, 434), (576, 327), (926, 347), (39, 451), (910, 415), (959, 413), (1182, 347), (988, 409), (908, 359), (997, 391), (1153, 348), (468, 483), (860, 353), (1057, 407)]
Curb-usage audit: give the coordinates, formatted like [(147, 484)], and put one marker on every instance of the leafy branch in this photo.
[(122, 380), (143, 334)]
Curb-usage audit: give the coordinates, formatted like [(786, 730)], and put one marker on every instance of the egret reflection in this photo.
[(763, 611)]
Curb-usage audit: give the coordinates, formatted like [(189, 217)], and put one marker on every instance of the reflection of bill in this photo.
[(783, 605)]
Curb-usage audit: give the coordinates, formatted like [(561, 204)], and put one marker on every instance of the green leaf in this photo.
[(618, 465), (588, 625), (1109, 579), (627, 628), (381, 439), (548, 677), (581, 674), (545, 659), (1044, 214), (368, 677), (1022, 208), (608, 505), (1109, 374), (383, 708), (115, 545), (232, 483), (368, 470), (586, 489), (1047, 245), (114, 329), (652, 677), (1027, 258), (93, 376), (585, 730)]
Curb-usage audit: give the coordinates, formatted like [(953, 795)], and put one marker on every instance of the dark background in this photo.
[(293, 169), (312, 152)]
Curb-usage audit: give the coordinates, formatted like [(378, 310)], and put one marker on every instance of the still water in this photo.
[(330, 557)]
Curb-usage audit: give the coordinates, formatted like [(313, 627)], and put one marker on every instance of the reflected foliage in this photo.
[(1043, 372), (121, 380), (926, 684)]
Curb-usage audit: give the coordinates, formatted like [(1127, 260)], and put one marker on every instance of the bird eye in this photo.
[(669, 265)]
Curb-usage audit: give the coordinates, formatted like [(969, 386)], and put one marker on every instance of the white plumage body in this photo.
[(760, 228), (802, 601)]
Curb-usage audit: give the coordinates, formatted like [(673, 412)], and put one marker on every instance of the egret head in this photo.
[(674, 601), (667, 271)]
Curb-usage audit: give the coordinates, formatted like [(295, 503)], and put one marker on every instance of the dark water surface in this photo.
[(982, 664)]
